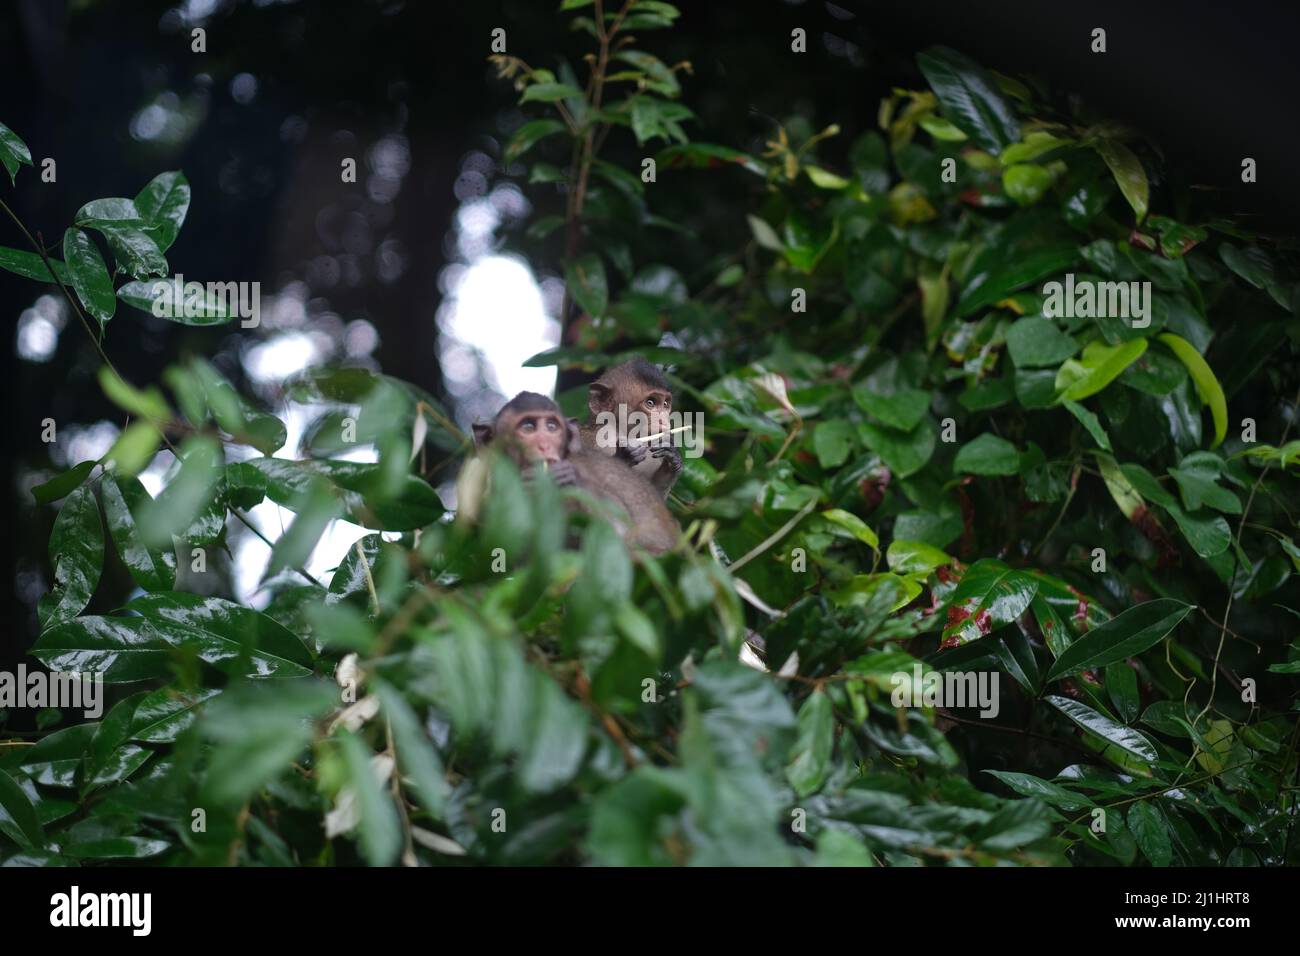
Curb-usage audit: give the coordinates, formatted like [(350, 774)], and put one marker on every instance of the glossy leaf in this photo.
[(13, 152), (164, 203), (970, 98), (1207, 385), (1125, 635), (154, 569), (32, 266), (77, 557), (1117, 735), (124, 649), (1129, 174), (810, 756), (18, 819), (989, 595), (89, 275), (220, 630)]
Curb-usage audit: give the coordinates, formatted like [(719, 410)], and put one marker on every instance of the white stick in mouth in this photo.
[(671, 431)]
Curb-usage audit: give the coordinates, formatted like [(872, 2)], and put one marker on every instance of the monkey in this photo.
[(530, 429), (635, 387)]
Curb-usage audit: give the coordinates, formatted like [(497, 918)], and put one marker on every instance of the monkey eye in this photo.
[(650, 403), (552, 425), (528, 426)]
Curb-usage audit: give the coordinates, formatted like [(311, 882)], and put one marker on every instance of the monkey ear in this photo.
[(575, 436), (482, 435), (598, 395)]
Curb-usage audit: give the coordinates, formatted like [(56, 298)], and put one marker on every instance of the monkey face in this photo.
[(656, 406), (541, 436)]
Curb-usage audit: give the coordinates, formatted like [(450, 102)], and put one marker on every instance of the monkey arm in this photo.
[(561, 472), (670, 467), (633, 452)]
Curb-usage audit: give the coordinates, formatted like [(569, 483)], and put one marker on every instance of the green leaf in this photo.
[(18, 819), (56, 759), (258, 730), (192, 304), (1198, 483), (833, 442), (107, 210), (1005, 275), (62, 484), (902, 410), (987, 455), (853, 524), (416, 756), (220, 631), (810, 756), (1126, 739), (13, 152), (1122, 688), (124, 649), (117, 848), (153, 569), (549, 92), (1026, 183), (764, 234), (707, 156), (941, 129), (1129, 174), (837, 848), (32, 266), (586, 281), (316, 507), (186, 496), (76, 552), (1028, 785), (824, 179), (163, 203), (989, 595), (133, 450), (381, 833), (1207, 385), (163, 715), (136, 252), (904, 452), (1125, 635), (109, 758), (970, 98), (915, 557), (1035, 342), (1151, 832), (148, 404), (529, 135), (1101, 364), (89, 275), (1090, 422), (264, 432), (1035, 144), (1207, 533)]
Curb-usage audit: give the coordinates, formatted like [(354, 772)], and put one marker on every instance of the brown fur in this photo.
[(530, 428), (635, 386)]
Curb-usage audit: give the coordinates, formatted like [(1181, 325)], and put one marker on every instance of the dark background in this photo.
[(1210, 83)]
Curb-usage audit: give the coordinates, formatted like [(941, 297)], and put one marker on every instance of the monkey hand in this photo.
[(564, 474), (561, 472), (669, 455), (633, 452)]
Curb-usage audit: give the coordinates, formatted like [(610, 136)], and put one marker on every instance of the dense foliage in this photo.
[(912, 461)]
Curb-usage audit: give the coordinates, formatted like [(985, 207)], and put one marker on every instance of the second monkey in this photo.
[(625, 395)]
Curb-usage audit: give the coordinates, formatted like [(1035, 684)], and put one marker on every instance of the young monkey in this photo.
[(635, 386), (530, 429)]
